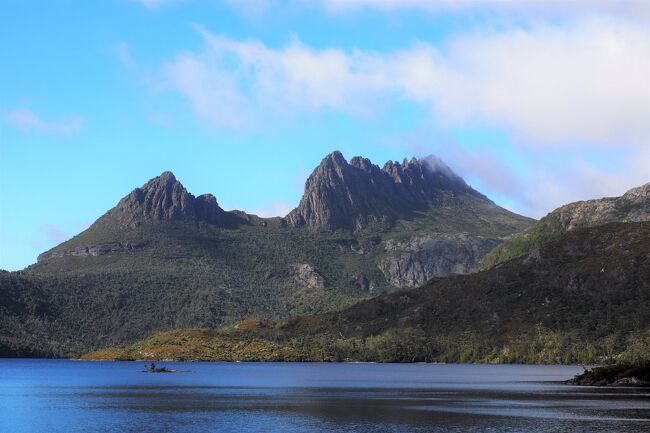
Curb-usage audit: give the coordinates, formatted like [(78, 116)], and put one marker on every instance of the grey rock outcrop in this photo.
[(415, 261), (633, 206), (305, 274), (89, 250)]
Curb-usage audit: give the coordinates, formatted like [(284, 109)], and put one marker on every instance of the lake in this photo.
[(74, 396)]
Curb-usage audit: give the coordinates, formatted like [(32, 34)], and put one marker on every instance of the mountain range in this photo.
[(163, 258)]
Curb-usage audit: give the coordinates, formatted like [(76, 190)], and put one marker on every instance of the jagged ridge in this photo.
[(358, 195)]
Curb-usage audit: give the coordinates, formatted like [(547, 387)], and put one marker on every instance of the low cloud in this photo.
[(274, 209), (533, 182), (27, 120), (546, 184), (581, 180)]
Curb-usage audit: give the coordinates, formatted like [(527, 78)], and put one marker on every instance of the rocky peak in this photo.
[(363, 164), (359, 194), (336, 158), (331, 193), (633, 206), (638, 196), (164, 198)]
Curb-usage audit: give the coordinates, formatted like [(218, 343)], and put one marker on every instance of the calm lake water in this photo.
[(73, 396)]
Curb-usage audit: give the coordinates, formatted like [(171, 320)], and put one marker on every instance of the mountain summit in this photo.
[(164, 198), (358, 195)]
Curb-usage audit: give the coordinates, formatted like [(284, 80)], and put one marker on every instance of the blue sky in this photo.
[(535, 105)]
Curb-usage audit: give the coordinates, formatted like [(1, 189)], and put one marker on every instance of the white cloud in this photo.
[(234, 83), (550, 85), (28, 120), (534, 8)]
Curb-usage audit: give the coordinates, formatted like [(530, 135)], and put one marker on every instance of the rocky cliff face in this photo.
[(417, 260), (90, 250), (358, 195)]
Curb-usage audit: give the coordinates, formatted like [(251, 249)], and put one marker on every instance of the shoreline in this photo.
[(621, 375)]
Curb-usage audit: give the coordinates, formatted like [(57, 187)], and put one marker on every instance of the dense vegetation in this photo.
[(180, 274), (546, 229), (582, 298)]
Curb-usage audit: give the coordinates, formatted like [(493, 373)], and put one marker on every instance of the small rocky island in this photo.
[(151, 368), (614, 375)]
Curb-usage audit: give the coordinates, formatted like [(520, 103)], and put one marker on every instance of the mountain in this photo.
[(581, 298), (633, 206), (162, 199), (359, 195), (163, 258)]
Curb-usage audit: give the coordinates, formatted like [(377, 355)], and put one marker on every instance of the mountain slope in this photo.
[(163, 258), (633, 206), (584, 297)]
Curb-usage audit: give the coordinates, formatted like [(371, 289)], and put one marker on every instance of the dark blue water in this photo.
[(72, 396)]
